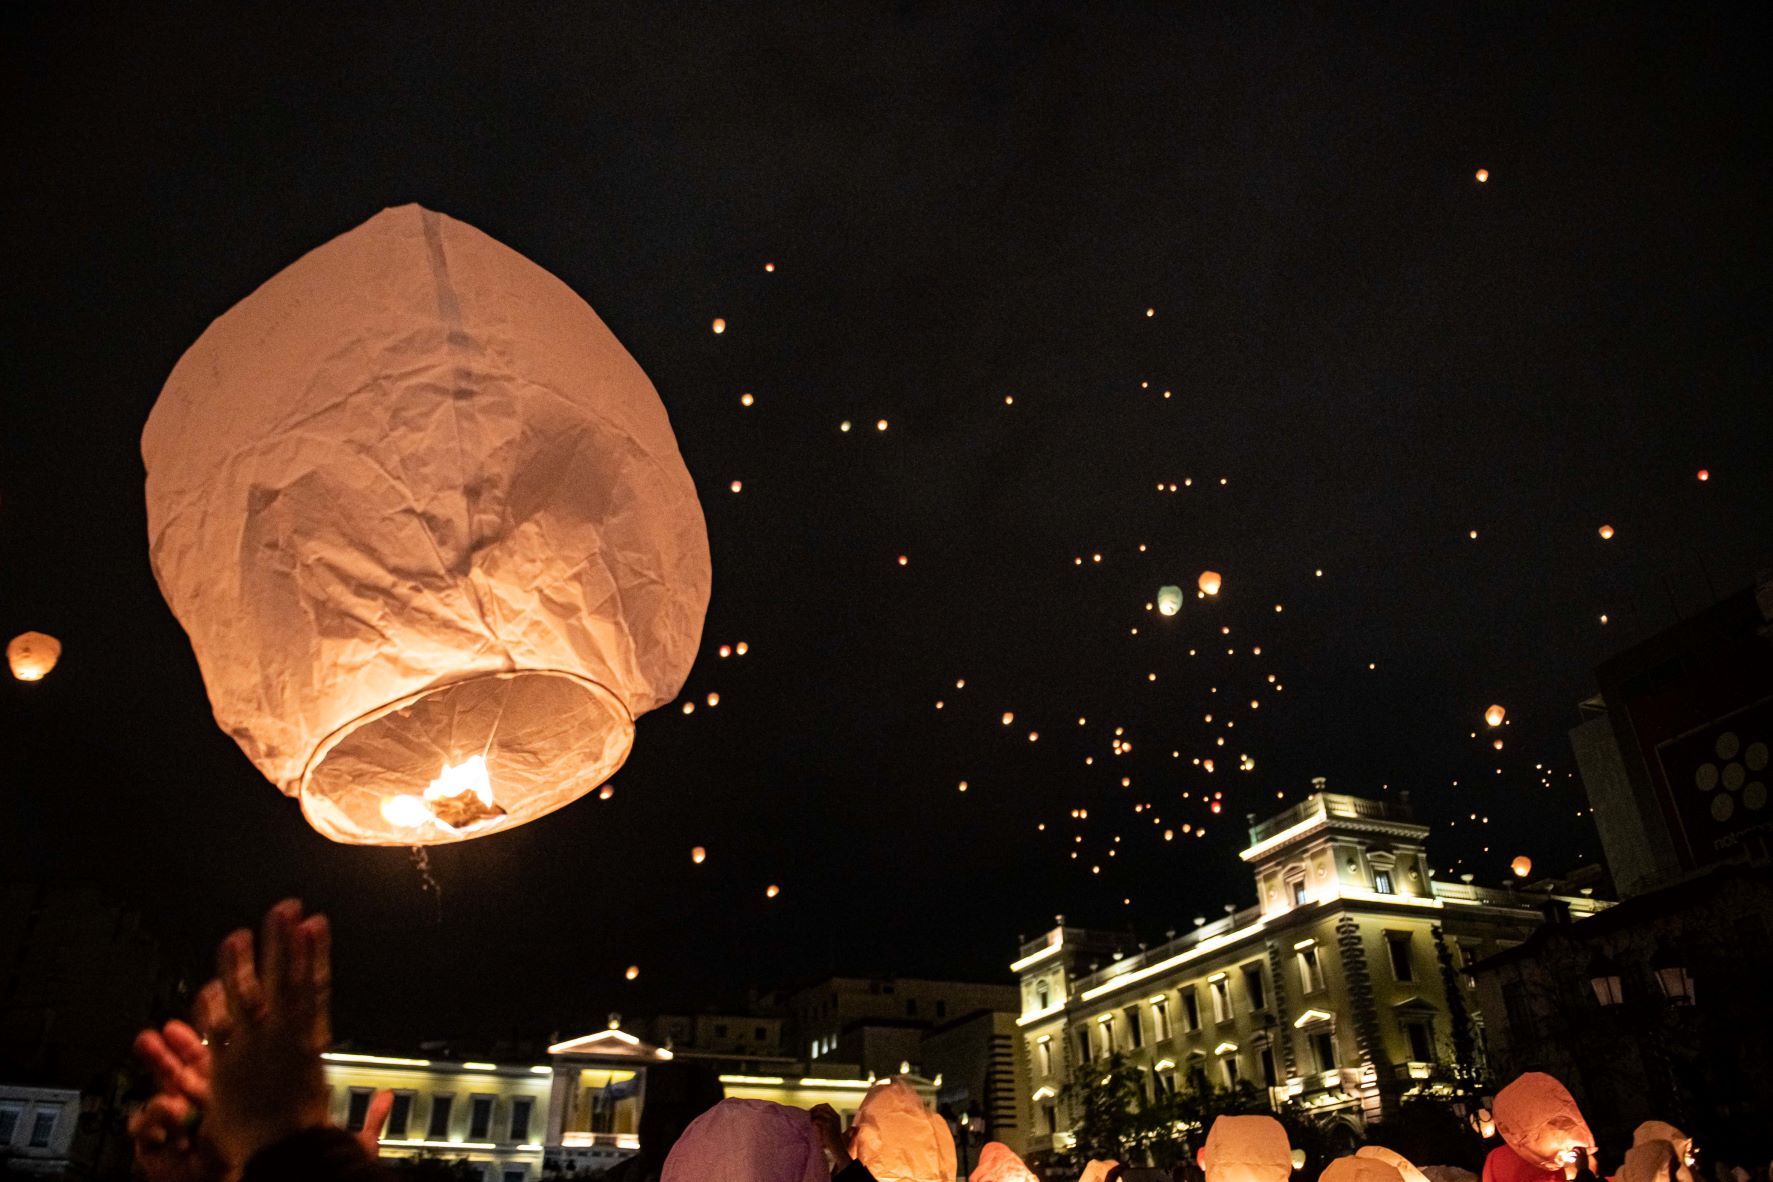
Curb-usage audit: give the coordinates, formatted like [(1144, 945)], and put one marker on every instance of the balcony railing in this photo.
[(1333, 804)]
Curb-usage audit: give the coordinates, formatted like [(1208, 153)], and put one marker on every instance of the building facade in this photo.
[(37, 1129), (1342, 990), (580, 1111)]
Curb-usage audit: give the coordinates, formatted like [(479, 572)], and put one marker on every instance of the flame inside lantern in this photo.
[(460, 800)]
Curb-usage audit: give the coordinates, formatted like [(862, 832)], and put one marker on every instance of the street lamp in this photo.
[(1672, 976), (1603, 974)]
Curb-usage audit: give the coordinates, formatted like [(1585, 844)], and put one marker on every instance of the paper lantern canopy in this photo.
[(31, 655), (900, 1140), (425, 522), (1397, 1161), (999, 1163), (1538, 1119), (1247, 1149), (1360, 1169), (1522, 866), (1494, 716), (748, 1139), (1169, 599), (1209, 582)]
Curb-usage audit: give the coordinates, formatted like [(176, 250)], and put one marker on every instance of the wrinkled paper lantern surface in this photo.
[(999, 1163), (900, 1140), (416, 507), (1395, 1160), (1356, 1168), (1538, 1118), (1649, 1161), (747, 1141), (1247, 1149), (31, 655)]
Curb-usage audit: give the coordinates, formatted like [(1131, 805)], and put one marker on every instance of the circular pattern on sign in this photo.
[(1706, 778), (1755, 757), (1755, 795), (1722, 805), (1728, 745), (1734, 776)]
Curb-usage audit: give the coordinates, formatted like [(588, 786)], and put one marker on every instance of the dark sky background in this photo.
[(963, 202)]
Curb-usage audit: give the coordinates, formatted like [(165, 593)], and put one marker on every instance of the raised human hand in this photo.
[(170, 1143), (267, 1028)]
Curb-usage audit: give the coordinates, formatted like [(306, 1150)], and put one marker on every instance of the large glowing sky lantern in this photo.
[(1356, 1168), (999, 1163), (425, 522)]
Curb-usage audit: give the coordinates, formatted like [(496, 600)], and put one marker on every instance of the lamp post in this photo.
[(1604, 977)]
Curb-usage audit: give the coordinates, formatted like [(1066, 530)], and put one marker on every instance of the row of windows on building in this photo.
[(1311, 980), (481, 1108), (41, 1128)]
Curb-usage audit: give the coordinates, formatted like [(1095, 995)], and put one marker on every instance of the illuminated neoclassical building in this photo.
[(1342, 989), (581, 1109)]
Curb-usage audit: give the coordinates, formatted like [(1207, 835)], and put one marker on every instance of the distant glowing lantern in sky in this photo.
[(1169, 599), (1210, 582), (1494, 715), (1606, 532), (698, 855), (747, 399), (719, 326), (633, 972), (1483, 174), (1522, 866), (32, 655), (1704, 474), (771, 891), (427, 527)]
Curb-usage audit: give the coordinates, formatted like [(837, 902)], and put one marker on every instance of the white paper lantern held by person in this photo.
[(1247, 1149), (425, 522), (1538, 1119)]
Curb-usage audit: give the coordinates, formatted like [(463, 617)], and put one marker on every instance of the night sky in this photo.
[(1369, 353)]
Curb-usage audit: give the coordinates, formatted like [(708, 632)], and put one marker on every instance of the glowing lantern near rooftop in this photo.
[(1606, 532), (425, 523), (900, 1140), (32, 655), (1522, 866), (1494, 715), (1538, 1119), (1169, 599), (1247, 1149), (1209, 582)]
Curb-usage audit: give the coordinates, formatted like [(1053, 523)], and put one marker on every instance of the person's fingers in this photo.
[(164, 1120), (274, 941), (168, 1069), (195, 1066), (319, 934), (239, 981), (375, 1119), (209, 1012)]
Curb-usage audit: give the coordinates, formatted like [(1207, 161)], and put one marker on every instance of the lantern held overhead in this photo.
[(31, 655), (425, 522)]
